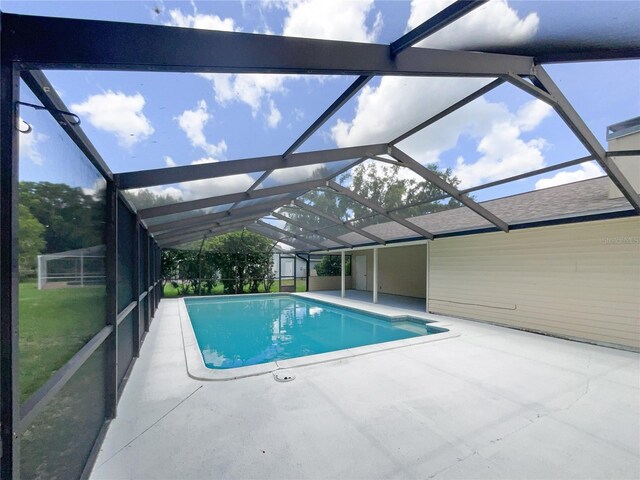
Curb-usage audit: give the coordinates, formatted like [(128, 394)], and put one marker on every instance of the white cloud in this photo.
[(331, 20), (201, 21), (504, 153), (165, 191), (250, 89), (169, 162), (495, 23), (117, 113), (323, 19), (192, 122), (398, 104), (274, 116), (585, 172), (29, 144), (214, 186)]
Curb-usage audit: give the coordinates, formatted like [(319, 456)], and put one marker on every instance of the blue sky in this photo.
[(147, 120)]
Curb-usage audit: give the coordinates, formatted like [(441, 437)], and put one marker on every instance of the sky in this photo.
[(140, 121)]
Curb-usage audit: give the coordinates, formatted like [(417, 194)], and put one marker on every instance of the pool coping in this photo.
[(197, 369)]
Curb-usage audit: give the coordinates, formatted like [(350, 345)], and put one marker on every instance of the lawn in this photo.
[(171, 292), (54, 325)]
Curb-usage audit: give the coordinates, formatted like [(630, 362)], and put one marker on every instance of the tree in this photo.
[(72, 218), (145, 198), (383, 185), (30, 239), (390, 190), (241, 258), (331, 265)]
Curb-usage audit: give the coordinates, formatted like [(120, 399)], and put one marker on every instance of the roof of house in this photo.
[(586, 197)]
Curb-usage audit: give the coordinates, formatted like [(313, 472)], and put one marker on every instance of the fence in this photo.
[(74, 268)]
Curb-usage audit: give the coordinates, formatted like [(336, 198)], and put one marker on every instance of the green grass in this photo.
[(171, 292), (54, 325)]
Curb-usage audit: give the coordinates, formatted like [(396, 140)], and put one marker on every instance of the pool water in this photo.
[(242, 331)]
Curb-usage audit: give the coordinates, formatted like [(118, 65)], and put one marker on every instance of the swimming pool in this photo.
[(251, 334)]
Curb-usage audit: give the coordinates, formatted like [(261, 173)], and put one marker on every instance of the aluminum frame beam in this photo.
[(306, 229), (565, 110), (377, 208), (290, 234), (270, 235), (337, 221), (218, 200), (187, 173), (172, 49), (459, 104), (440, 20), (259, 209), (170, 234), (199, 235), (428, 175), (533, 173), (432, 25), (44, 91)]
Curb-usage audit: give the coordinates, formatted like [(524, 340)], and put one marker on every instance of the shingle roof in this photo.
[(578, 198)]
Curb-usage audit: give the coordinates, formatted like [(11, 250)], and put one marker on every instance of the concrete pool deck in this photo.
[(491, 403)]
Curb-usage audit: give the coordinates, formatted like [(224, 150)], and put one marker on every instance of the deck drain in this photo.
[(283, 377)]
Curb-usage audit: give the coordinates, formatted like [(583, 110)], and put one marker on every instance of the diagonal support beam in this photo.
[(198, 235), (254, 229), (213, 217), (502, 181), (440, 20), (187, 173), (337, 221), (377, 208), (218, 200), (288, 234), (448, 188), (586, 137), (354, 88), (204, 226), (461, 103), (531, 89), (306, 229)]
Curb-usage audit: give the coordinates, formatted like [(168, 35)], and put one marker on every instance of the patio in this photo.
[(492, 403)]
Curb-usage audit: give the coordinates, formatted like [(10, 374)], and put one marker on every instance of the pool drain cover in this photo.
[(283, 377)]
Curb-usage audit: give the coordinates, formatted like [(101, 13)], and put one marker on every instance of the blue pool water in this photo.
[(242, 331)]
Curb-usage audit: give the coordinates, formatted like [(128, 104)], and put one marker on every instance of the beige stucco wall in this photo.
[(328, 283), (580, 280), (401, 270)]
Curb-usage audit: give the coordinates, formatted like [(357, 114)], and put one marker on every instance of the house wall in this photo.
[(579, 280), (401, 270), (328, 283)]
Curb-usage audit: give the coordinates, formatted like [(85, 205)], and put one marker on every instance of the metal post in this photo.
[(375, 275), (147, 239), (9, 387), (136, 290), (40, 272), (343, 274), (112, 299), (426, 301), (81, 269)]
